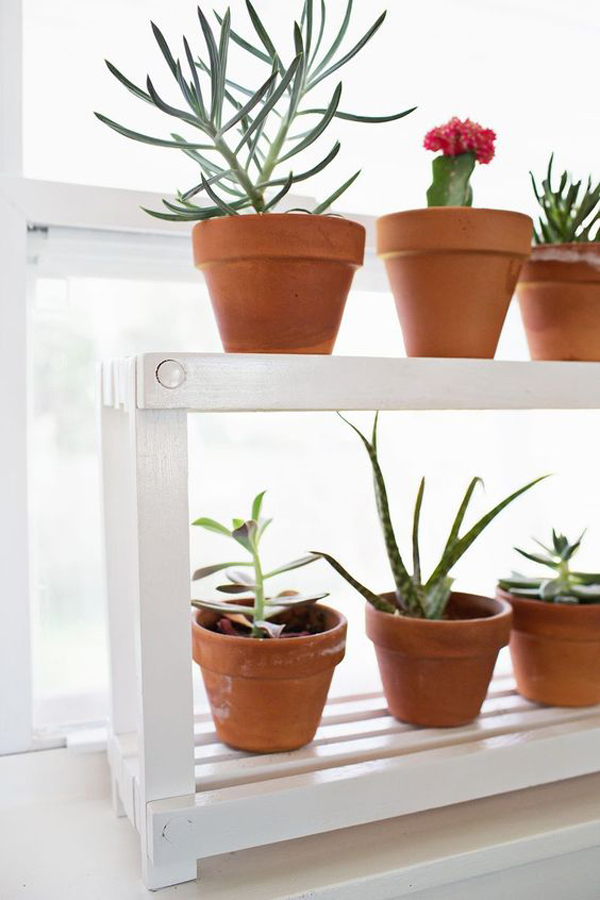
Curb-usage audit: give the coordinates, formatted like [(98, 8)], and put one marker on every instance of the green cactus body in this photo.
[(450, 185)]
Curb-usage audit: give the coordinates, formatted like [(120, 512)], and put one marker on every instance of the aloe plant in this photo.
[(569, 210), (248, 132), (565, 586), (258, 610), (415, 596)]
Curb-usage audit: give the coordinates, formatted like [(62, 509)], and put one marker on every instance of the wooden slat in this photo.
[(246, 382)]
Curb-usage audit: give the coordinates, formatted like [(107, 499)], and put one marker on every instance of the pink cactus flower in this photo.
[(457, 137)]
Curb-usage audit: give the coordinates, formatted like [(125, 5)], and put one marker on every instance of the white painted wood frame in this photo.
[(190, 797)]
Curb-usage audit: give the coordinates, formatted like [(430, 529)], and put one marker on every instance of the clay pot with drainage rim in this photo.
[(278, 283), (453, 271), (559, 296), (555, 649), (268, 695), (436, 673)]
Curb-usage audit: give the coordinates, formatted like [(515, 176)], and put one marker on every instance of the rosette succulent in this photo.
[(570, 210), (255, 614), (246, 139), (462, 144), (565, 585), (416, 596)]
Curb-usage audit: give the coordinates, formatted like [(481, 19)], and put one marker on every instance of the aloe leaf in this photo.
[(318, 130), (350, 55), (437, 598), (460, 516), (295, 564), (404, 585), (137, 91), (270, 103), (542, 560), (338, 40), (147, 139), (207, 571), (164, 47), (249, 106), (415, 534), (326, 204), (212, 525), (374, 599), (451, 557)]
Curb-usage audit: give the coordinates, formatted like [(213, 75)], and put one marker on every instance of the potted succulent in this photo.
[(266, 661), (452, 268), (559, 287), (436, 648), (555, 642), (278, 282)]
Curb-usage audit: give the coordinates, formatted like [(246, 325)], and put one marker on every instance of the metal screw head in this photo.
[(170, 373)]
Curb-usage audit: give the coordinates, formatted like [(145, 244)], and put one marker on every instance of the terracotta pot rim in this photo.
[(569, 245), (233, 640), (571, 609), (504, 612), (446, 210)]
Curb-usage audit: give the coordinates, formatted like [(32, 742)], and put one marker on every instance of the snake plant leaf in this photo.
[(228, 209), (351, 53), (147, 139), (338, 39), (326, 204), (246, 535), (451, 557), (207, 571), (318, 130), (295, 564), (374, 599), (270, 103), (415, 534), (212, 525), (137, 91), (164, 47), (243, 111)]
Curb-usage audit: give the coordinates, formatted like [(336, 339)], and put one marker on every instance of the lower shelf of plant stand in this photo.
[(362, 766)]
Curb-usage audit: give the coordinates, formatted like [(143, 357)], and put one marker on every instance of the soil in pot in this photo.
[(559, 296), (555, 649), (268, 695), (278, 283), (437, 673), (453, 271)]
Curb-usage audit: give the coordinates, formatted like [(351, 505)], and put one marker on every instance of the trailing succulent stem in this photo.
[(566, 586), (414, 596), (451, 181), (255, 610), (569, 212), (248, 132)]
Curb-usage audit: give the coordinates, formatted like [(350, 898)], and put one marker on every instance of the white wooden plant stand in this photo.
[(189, 796)]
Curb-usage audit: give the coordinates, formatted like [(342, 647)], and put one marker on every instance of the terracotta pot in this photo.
[(268, 695), (278, 283), (555, 649), (453, 271), (559, 296), (436, 673)]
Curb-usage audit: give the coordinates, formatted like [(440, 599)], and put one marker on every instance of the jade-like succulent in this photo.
[(565, 586), (245, 139), (463, 143), (255, 617), (569, 210), (416, 596)]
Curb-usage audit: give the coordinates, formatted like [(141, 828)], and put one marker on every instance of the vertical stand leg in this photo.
[(165, 698)]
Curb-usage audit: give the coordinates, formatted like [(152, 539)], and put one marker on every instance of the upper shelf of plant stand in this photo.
[(207, 382)]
